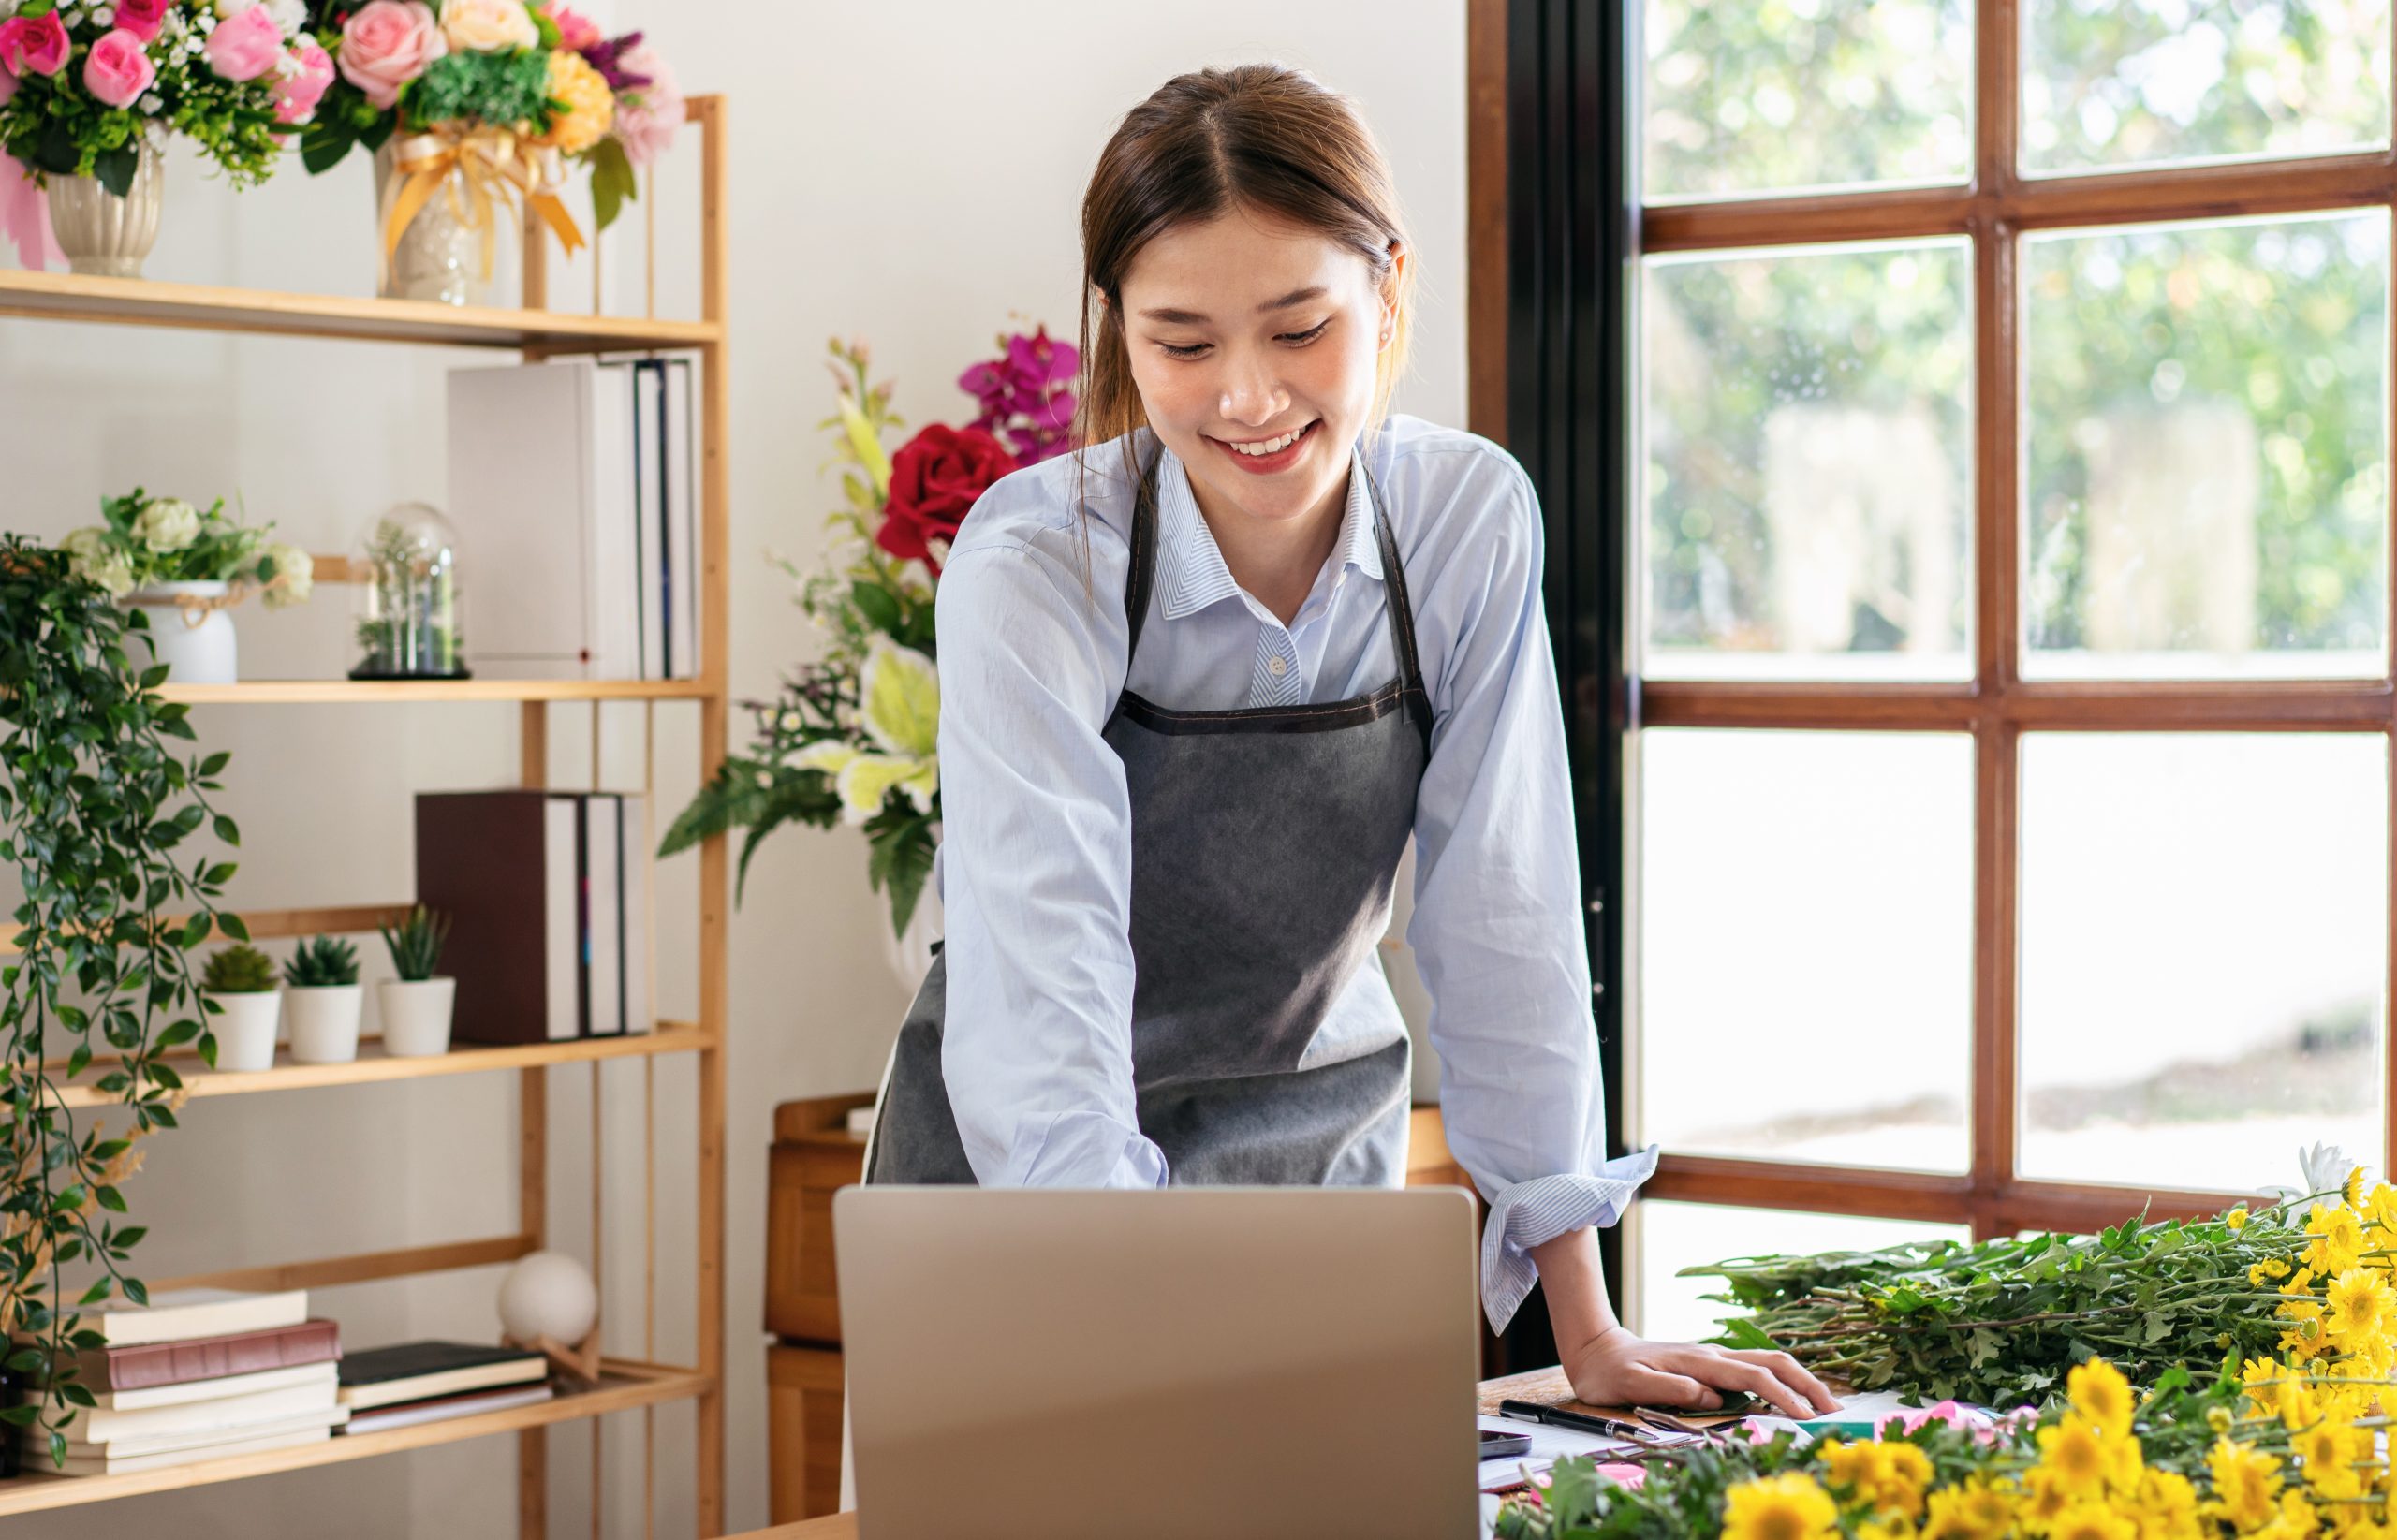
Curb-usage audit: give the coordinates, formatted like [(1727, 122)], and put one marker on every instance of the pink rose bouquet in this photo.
[(82, 89)]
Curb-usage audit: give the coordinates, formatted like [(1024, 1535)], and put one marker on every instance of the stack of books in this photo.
[(199, 1374), (547, 893), (411, 1383)]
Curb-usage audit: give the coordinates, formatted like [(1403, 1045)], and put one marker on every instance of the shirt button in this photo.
[(1276, 668)]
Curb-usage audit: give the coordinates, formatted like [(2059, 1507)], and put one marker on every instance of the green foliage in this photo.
[(493, 88), (613, 183), (321, 962), (94, 804), (865, 596), (2001, 1322), (415, 945), (143, 539), (239, 970)]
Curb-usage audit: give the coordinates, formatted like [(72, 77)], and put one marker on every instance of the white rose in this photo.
[(167, 524), (112, 572), (298, 570), (488, 26), (88, 543)]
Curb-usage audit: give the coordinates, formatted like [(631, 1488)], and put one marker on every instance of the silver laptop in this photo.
[(1205, 1363)]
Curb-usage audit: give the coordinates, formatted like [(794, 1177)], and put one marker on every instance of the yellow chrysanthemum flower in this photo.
[(2099, 1393), (2167, 1504), (2083, 1458), (1978, 1510), (2295, 1519), (2328, 1452), (2353, 1189), (590, 107), (2236, 1217), (2358, 1305), (2245, 1482), (2040, 1498), (2338, 1239), (1790, 1507), (2093, 1520), (2380, 1207)]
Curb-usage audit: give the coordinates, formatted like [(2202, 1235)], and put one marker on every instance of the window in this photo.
[(2009, 812)]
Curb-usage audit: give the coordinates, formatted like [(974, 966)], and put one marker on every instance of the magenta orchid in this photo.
[(1026, 394)]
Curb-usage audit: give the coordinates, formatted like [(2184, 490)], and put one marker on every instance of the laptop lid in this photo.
[(1192, 1362)]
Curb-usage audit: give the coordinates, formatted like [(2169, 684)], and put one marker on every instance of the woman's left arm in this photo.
[(1497, 936)]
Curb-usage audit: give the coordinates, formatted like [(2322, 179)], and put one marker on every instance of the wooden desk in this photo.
[(1545, 1385)]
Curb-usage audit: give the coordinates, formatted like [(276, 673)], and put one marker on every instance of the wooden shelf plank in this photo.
[(143, 302), (373, 1065), (624, 1386), (333, 691)]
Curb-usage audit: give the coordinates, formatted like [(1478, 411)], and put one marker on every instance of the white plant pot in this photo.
[(324, 1023), (204, 653), (416, 1016), (246, 1031)]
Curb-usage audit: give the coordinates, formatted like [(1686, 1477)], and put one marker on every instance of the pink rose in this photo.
[(296, 92), (647, 117), (245, 45), (117, 68), (142, 18), (576, 31), (33, 45), (385, 45)]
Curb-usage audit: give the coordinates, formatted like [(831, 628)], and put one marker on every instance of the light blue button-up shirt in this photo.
[(1035, 864)]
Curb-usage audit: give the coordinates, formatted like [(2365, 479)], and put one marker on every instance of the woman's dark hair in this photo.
[(1264, 137)]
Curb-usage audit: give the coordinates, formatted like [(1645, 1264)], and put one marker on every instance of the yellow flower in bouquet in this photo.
[(2166, 1505), (1978, 1510), (2338, 1239), (2093, 1520), (2356, 1315), (1889, 1478), (2328, 1452), (2099, 1393), (2084, 1459), (2245, 1482), (589, 106), (1790, 1507)]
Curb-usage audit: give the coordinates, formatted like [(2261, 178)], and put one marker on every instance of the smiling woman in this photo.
[(1199, 689)]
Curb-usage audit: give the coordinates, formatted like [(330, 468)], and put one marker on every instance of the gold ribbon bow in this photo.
[(491, 165)]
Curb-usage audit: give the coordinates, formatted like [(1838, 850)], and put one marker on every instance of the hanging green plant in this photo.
[(93, 801)]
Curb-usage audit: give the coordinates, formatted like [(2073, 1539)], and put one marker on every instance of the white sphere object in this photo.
[(549, 1294)]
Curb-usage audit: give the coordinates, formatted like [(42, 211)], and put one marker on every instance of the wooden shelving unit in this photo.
[(629, 1383)]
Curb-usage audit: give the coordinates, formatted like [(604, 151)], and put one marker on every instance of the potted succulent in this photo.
[(324, 999), (239, 987), (416, 1005)]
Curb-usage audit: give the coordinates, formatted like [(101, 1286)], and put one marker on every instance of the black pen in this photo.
[(1585, 1422)]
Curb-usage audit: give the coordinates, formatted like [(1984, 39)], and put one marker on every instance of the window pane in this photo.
[(2207, 460), (1802, 93), (1805, 944), (1809, 431), (2110, 84), (2204, 922), (1672, 1235)]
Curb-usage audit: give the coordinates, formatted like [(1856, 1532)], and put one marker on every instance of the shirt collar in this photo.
[(1191, 574)]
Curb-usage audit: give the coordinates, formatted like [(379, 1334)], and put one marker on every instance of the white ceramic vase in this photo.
[(101, 233), (416, 1016), (205, 654), (324, 1023), (246, 1030)]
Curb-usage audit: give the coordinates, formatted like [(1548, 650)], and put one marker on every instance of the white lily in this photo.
[(899, 708)]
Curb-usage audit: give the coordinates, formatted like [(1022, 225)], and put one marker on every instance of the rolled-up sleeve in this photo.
[(1497, 929), (1037, 880)]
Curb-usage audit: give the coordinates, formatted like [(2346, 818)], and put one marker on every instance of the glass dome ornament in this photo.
[(408, 598)]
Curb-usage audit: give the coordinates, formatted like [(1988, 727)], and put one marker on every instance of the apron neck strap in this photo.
[(1139, 581)]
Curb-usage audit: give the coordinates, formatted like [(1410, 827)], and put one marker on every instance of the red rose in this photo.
[(934, 478)]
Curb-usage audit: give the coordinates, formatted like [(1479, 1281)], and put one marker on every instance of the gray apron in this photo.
[(1265, 844)]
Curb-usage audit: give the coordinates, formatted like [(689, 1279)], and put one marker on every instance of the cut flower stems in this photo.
[(2233, 1376)]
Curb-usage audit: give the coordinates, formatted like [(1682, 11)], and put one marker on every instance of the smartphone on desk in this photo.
[(1498, 1446)]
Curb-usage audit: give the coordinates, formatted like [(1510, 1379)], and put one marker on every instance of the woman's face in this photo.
[(1244, 330)]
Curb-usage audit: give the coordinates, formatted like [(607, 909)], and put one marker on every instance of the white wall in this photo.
[(909, 172)]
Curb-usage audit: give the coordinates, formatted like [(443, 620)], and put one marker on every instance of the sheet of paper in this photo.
[(1854, 1412), (1549, 1445)]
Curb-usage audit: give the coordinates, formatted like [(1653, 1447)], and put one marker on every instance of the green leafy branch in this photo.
[(93, 804)]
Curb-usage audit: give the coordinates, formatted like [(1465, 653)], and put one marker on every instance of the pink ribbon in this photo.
[(24, 217)]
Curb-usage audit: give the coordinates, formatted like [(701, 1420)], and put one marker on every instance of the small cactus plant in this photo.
[(415, 945), (240, 969), (321, 962)]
